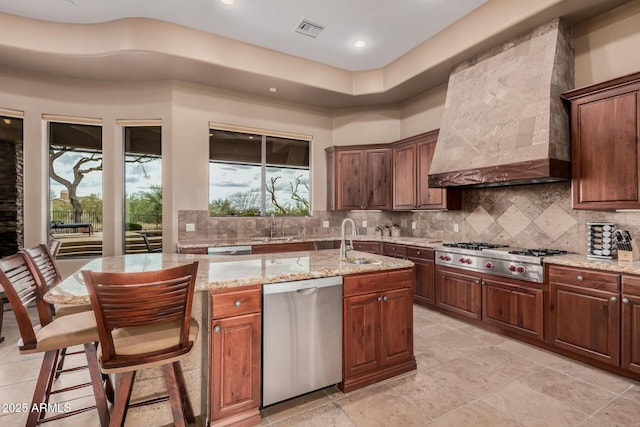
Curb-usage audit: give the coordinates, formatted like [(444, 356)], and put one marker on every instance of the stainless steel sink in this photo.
[(361, 261)]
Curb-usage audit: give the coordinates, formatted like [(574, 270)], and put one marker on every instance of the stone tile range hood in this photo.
[(504, 122)]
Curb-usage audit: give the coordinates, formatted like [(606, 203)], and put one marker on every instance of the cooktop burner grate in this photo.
[(538, 252), (476, 246)]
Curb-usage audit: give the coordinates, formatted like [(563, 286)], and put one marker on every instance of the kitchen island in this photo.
[(230, 295)]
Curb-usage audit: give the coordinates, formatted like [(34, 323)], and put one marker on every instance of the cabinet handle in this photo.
[(379, 298), (216, 329), (477, 282), (237, 303), (385, 298), (419, 252), (580, 278), (625, 300), (614, 299)]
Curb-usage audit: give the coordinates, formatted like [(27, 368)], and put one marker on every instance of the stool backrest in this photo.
[(138, 299), (45, 263), (23, 287), (54, 247)]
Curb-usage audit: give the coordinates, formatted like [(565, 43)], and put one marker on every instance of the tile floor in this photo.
[(466, 376)]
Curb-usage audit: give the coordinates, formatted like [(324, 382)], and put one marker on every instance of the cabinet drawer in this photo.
[(198, 251), (377, 282), (631, 285), (370, 247), (235, 303), (391, 249), (585, 278), (420, 253)]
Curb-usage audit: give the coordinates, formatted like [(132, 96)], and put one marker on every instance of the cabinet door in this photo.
[(631, 332), (605, 152), (404, 177), (235, 365), (585, 321), (396, 327), (361, 320), (516, 308), (282, 247), (428, 197), (349, 179), (370, 247), (423, 284), (459, 293), (377, 179)]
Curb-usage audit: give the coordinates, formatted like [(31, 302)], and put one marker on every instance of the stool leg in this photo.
[(96, 382), (123, 394), (174, 395), (186, 403), (43, 386), (63, 353)]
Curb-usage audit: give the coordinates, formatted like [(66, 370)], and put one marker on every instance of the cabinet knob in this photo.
[(237, 303), (216, 329), (478, 282), (625, 300), (385, 298), (379, 298), (419, 253), (614, 299), (580, 278)]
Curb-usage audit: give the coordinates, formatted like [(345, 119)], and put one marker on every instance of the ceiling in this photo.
[(250, 47), (390, 28)]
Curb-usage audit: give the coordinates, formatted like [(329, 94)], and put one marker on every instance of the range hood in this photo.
[(504, 122)]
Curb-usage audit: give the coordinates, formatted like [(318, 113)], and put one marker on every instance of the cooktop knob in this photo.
[(488, 264), (512, 267), (520, 269)]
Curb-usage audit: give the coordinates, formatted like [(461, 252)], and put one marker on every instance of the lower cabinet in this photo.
[(281, 247), (424, 275), (370, 247), (630, 323), (514, 306), (378, 327), (234, 371), (458, 292), (584, 313)]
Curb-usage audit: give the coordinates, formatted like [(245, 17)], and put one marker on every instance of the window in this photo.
[(254, 174), (143, 189), (75, 187)]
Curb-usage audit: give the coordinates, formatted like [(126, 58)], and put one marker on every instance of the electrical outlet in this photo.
[(413, 225), (364, 224), (325, 224), (456, 227), (190, 227)]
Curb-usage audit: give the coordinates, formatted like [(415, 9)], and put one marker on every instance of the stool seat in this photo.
[(63, 332), (148, 339), (67, 309)]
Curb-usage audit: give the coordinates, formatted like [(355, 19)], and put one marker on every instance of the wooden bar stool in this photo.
[(144, 320), (23, 287)]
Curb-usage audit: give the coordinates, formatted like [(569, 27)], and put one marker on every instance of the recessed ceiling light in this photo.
[(273, 89), (229, 2), (360, 43)]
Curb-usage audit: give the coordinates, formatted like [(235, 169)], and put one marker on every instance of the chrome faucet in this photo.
[(343, 244)]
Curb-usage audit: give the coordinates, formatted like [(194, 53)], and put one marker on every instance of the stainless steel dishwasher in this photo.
[(302, 337)]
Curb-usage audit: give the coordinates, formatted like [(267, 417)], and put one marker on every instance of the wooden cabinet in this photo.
[(198, 251), (282, 247), (234, 349), (358, 177), (411, 164), (584, 312), (459, 292), (423, 275), (630, 347), (378, 327), (370, 247), (514, 305), (605, 155), (394, 250)]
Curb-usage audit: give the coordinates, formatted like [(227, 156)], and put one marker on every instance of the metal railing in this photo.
[(133, 222)]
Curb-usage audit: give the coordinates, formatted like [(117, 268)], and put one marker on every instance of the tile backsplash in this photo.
[(528, 216)]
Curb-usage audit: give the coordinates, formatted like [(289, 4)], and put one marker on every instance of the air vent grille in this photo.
[(308, 28)]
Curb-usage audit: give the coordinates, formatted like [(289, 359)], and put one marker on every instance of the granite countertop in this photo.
[(426, 242), (216, 272), (581, 261)]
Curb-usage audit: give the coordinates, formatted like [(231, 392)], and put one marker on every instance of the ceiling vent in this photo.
[(308, 28)]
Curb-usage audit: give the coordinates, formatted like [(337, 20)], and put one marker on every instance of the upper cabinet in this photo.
[(411, 163), (358, 177), (604, 144)]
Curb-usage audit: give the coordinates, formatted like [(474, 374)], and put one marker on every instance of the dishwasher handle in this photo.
[(308, 291), (323, 282)]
